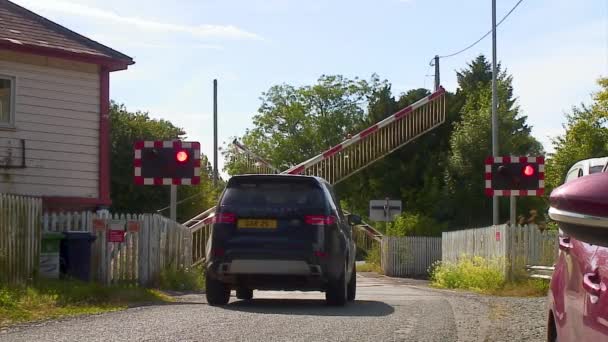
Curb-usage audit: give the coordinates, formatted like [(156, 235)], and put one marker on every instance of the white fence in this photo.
[(151, 243), (409, 256), (517, 245), (19, 237)]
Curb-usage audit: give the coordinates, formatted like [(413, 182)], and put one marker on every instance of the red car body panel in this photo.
[(578, 297), (586, 195)]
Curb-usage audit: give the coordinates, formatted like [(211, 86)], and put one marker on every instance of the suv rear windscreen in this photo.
[(273, 193)]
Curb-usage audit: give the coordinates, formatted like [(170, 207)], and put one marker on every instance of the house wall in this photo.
[(57, 113)]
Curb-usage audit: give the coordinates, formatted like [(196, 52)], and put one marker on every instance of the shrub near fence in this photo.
[(19, 237), (517, 245)]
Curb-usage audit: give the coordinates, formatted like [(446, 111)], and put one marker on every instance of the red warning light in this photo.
[(529, 170), (181, 156)]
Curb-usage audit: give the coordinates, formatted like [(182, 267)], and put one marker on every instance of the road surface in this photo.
[(386, 310)]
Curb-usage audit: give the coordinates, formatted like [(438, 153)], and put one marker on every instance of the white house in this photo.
[(54, 99)]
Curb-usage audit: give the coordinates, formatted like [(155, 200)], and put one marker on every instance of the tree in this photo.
[(471, 142), (127, 127), (415, 172), (586, 137), (294, 124)]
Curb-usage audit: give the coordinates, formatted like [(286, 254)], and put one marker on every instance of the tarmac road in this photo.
[(385, 310)]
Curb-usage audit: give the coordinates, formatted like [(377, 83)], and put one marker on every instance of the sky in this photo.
[(555, 50)]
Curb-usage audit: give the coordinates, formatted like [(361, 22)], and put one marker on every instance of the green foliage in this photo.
[(485, 276), (182, 279), (294, 124), (127, 127), (415, 225), (469, 273), (373, 256), (438, 176), (415, 172), (586, 137), (54, 298), (372, 261)]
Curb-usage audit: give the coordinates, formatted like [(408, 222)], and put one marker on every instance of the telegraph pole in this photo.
[(495, 150), (215, 173), (437, 78), (173, 203)]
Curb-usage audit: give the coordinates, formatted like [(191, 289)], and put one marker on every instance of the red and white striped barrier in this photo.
[(254, 156), (298, 169)]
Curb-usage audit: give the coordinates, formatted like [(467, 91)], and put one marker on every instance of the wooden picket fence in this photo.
[(19, 237), (409, 256), (518, 246), (152, 243)]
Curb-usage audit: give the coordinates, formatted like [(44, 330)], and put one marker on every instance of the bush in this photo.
[(469, 273), (409, 224), (184, 279), (372, 261)]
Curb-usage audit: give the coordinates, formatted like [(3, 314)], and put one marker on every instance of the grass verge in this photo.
[(48, 299), (369, 268), (484, 276), (185, 279), (372, 262)]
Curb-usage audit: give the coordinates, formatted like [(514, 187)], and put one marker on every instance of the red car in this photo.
[(578, 296)]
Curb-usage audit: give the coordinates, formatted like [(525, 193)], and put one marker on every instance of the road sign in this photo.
[(167, 162), (384, 210), (515, 176)]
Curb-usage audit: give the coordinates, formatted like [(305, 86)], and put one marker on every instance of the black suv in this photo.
[(280, 232)]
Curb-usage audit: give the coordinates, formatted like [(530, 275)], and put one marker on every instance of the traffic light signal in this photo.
[(181, 156), (167, 162), (515, 176)]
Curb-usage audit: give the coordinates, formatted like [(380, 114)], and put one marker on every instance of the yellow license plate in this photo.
[(257, 224)]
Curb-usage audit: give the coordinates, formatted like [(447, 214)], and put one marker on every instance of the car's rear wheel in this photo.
[(217, 293), (244, 294), (352, 285), (337, 291)]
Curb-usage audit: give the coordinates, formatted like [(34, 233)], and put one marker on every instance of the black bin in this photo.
[(75, 255)]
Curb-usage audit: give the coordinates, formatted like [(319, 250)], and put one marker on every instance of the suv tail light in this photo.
[(224, 218), (218, 252), (319, 220)]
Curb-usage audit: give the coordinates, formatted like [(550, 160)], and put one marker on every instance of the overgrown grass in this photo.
[(523, 288), (484, 276), (188, 279), (372, 261), (54, 298)]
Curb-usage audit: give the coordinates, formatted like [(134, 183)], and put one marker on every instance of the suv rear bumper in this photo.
[(268, 267), (265, 274)]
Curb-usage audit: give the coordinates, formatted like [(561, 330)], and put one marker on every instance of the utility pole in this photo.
[(173, 203), (215, 173), (495, 149), (437, 78)]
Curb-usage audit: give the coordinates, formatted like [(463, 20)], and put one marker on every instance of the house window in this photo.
[(7, 101)]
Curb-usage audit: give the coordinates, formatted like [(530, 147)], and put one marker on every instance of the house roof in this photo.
[(24, 30)]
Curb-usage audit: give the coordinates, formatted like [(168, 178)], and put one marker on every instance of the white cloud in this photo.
[(200, 31), (115, 40)]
